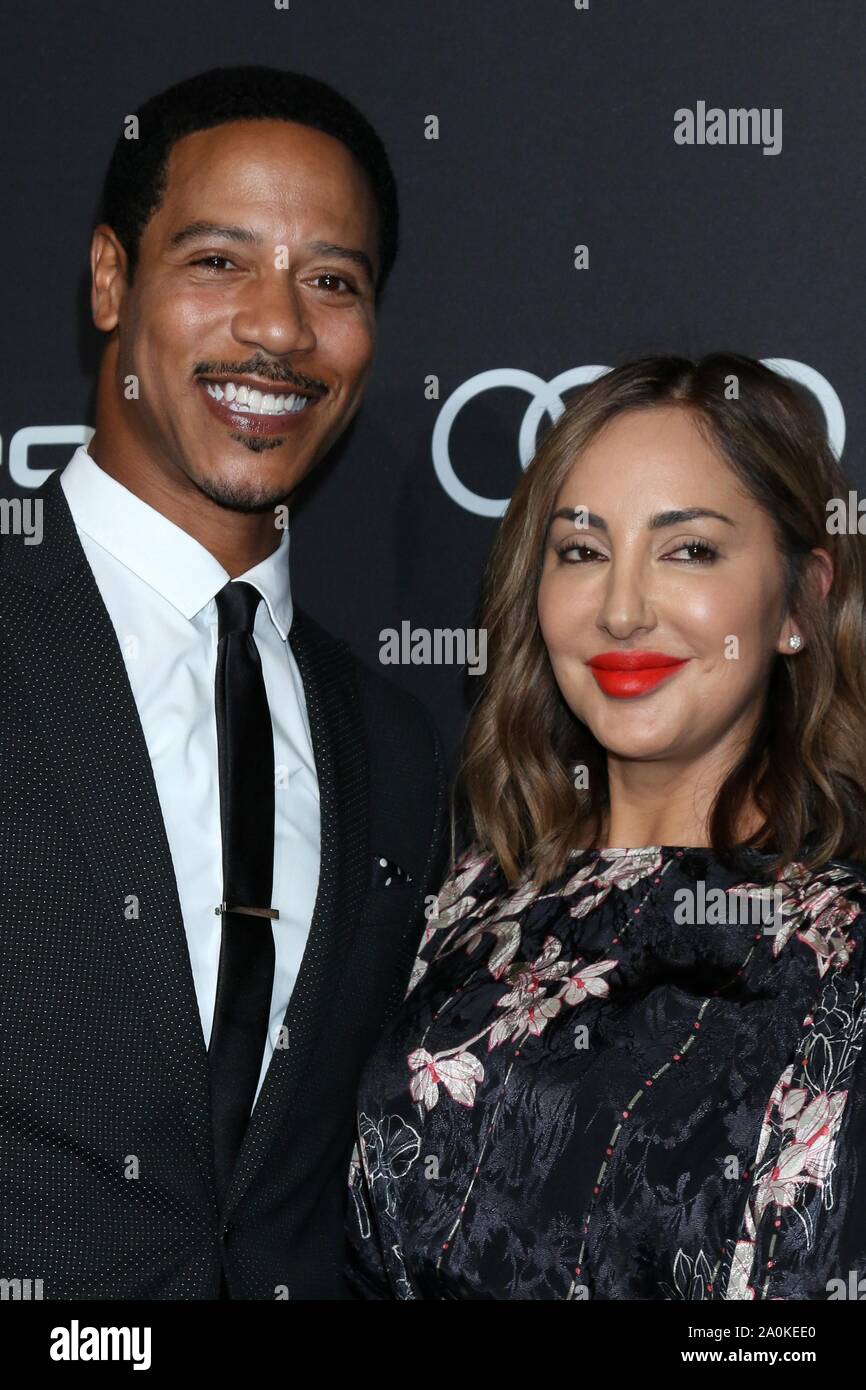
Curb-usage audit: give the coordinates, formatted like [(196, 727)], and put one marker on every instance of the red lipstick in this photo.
[(626, 674)]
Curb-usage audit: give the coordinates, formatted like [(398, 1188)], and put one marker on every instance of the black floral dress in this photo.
[(646, 1082)]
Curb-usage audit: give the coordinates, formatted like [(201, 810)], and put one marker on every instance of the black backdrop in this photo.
[(556, 129)]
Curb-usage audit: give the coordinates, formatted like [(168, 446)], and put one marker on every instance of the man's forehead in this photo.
[(285, 145), (240, 182)]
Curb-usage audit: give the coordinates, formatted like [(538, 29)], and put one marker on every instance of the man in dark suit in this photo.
[(219, 828)]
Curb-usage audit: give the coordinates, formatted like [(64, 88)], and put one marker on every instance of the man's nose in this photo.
[(275, 316)]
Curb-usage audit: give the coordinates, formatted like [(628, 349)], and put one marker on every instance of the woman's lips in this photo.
[(625, 675)]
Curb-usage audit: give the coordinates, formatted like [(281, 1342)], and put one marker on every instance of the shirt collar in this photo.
[(163, 555)]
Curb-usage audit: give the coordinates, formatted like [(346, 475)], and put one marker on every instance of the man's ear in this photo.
[(108, 271)]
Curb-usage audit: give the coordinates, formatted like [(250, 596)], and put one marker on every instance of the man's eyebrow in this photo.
[(655, 523), (343, 253), (195, 231)]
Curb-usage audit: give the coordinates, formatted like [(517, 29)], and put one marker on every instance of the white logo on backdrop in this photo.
[(545, 399), (32, 437)]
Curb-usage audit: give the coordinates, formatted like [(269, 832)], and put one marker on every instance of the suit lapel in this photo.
[(75, 686), (77, 692), (339, 746)]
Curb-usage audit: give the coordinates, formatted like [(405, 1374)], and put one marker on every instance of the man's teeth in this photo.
[(248, 402)]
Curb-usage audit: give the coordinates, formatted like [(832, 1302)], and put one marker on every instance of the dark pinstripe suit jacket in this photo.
[(106, 1183)]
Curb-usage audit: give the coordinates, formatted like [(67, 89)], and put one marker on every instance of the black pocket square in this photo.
[(386, 874)]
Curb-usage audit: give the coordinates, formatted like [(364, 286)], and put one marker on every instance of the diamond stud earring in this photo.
[(795, 642)]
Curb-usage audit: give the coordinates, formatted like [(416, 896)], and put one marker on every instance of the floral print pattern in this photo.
[(583, 1097)]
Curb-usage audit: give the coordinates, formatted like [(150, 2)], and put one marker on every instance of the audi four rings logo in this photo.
[(545, 399)]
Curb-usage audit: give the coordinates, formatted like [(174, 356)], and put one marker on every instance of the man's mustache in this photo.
[(263, 372)]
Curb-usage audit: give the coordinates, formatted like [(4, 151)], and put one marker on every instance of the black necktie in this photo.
[(246, 967)]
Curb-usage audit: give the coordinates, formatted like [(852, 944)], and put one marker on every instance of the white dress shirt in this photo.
[(159, 586)]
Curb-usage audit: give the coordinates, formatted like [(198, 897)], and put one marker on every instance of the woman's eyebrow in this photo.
[(658, 522)]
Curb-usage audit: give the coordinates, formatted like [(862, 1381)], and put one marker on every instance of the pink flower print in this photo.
[(529, 1018), (791, 1104), (809, 1158), (742, 1260), (782, 1184), (817, 915), (585, 874), (459, 1075), (619, 871), (452, 899), (507, 941), (741, 1268), (816, 1130), (529, 1008), (507, 936), (587, 981), (775, 1100), (504, 926), (453, 903), (625, 870), (616, 870), (419, 970), (831, 947), (528, 980)]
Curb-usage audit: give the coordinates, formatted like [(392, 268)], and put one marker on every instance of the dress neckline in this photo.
[(634, 849), (655, 849)]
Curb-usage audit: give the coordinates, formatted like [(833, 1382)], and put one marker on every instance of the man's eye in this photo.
[(335, 280), (205, 261)]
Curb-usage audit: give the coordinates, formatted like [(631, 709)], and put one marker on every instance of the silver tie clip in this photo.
[(247, 911)]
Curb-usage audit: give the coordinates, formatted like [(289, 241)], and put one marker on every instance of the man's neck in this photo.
[(238, 540)]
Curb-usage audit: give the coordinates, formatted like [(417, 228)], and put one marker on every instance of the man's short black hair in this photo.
[(137, 174)]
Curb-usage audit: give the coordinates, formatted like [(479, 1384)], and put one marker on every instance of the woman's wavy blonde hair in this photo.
[(805, 767)]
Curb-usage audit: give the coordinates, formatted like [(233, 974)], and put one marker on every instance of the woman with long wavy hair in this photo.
[(630, 1062)]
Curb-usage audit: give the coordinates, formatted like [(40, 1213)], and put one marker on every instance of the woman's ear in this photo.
[(818, 578)]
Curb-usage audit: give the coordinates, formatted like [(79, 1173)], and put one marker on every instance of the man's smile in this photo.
[(256, 407)]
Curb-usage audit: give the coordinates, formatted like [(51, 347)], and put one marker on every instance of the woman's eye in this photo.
[(705, 553), (566, 551), (205, 261)]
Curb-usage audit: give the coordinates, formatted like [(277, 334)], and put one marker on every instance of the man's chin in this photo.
[(246, 494)]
